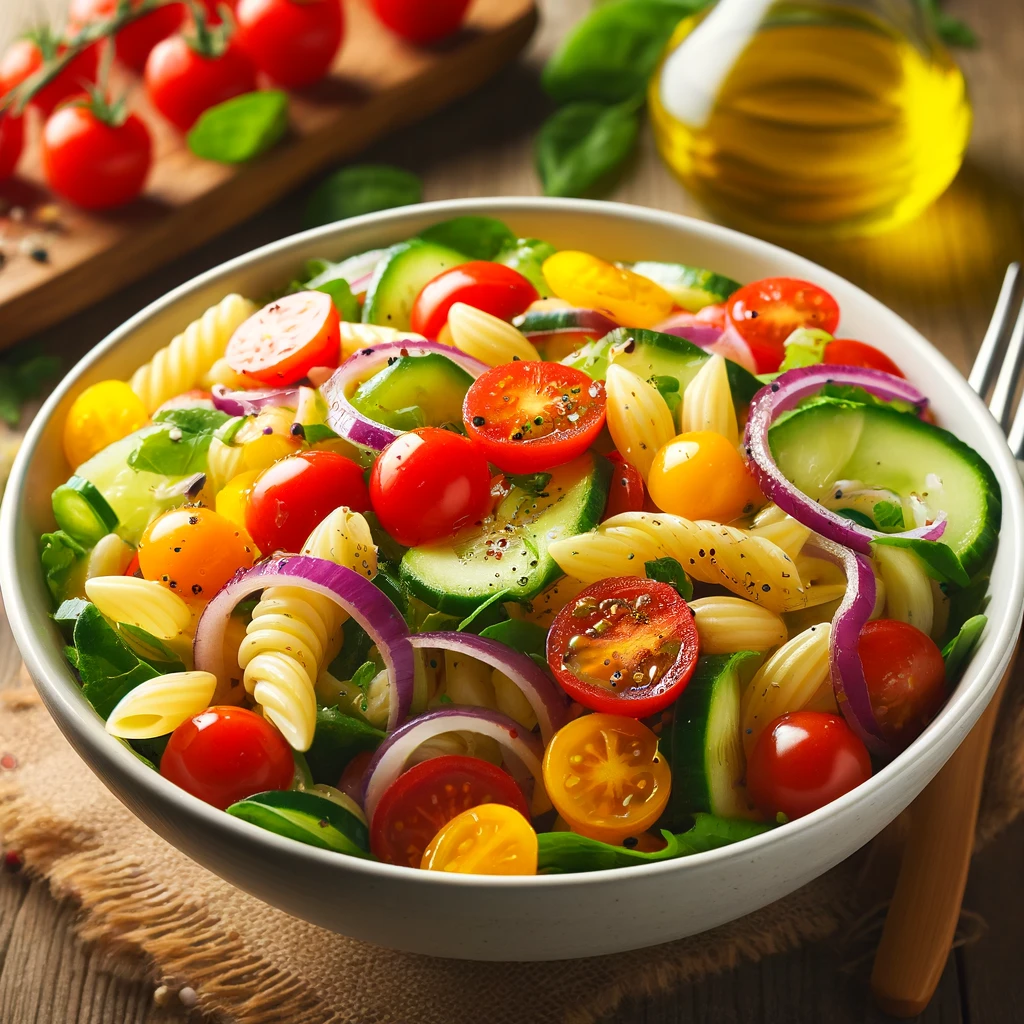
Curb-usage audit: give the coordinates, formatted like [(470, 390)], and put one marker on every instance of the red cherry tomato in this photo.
[(12, 137), (94, 164), (225, 754), (133, 43), (429, 483), (292, 41), (291, 498), (765, 313), (26, 56), (134, 568), (492, 287), (421, 801), (351, 781), (906, 678), (624, 646), (284, 340), (421, 22), (846, 352), (626, 493), (182, 82), (804, 760), (530, 416)]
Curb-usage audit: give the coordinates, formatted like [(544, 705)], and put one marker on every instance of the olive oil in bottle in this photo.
[(810, 117)]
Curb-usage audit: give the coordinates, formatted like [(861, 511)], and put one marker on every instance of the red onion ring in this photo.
[(354, 593), (391, 757), (356, 271), (249, 403), (548, 701), (783, 394), (346, 420)]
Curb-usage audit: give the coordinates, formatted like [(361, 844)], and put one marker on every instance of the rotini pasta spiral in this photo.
[(357, 336), (158, 706), (729, 624), (780, 528), (707, 402), (223, 463), (143, 603), (344, 538), (908, 588), (184, 363), (487, 338), (639, 419), (221, 373)]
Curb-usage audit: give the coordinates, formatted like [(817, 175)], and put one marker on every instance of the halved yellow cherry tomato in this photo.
[(234, 495), (700, 475), (101, 415), (489, 839), (591, 283), (606, 778)]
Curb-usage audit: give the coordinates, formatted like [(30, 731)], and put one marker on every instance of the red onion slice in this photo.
[(369, 606), (785, 393), (524, 749), (346, 420), (249, 403), (549, 703)]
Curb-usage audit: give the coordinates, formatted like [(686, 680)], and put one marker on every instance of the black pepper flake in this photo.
[(193, 520), (630, 842), (765, 587), (478, 421), (196, 589), (298, 430), (775, 387)]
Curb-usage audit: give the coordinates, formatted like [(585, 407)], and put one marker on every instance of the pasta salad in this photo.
[(474, 555)]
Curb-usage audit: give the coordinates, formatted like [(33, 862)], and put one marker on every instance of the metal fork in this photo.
[(925, 907)]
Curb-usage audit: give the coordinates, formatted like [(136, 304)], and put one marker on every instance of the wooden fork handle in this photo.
[(925, 908)]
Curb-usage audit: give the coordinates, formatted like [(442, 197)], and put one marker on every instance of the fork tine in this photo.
[(1009, 372), (985, 362), (1015, 439)]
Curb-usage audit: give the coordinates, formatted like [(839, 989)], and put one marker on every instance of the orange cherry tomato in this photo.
[(490, 839)]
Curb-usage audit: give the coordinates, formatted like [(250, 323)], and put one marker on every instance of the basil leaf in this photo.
[(314, 433), (710, 832), (323, 276), (487, 613), (193, 420), (520, 635), (363, 676), (583, 143), (563, 852), (344, 301), (67, 614), (668, 570), (967, 602), (364, 188), (888, 515), (149, 751), (240, 128), (937, 559), (856, 516), (336, 740), (58, 553), (950, 30), (527, 255), (159, 453), (150, 648), (355, 650), (959, 649), (23, 378), (480, 238), (532, 483)]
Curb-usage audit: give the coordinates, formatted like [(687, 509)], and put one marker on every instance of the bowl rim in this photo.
[(73, 715)]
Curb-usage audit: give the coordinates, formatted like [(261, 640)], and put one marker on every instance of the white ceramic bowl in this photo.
[(478, 917)]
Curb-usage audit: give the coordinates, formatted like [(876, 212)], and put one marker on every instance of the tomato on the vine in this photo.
[(427, 484), (530, 416), (133, 43), (626, 492), (292, 41), (492, 287), (804, 760), (906, 678), (421, 22), (847, 352), (25, 56), (225, 754), (624, 646), (765, 313), (422, 800)]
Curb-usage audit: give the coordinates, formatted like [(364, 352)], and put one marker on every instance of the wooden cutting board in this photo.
[(379, 83)]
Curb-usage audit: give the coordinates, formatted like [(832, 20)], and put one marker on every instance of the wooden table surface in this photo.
[(941, 273)]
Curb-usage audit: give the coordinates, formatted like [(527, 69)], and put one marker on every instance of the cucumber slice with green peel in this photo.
[(307, 818), (400, 277), (933, 472), (706, 746), (415, 391), (82, 512), (693, 288), (508, 552), (527, 255)]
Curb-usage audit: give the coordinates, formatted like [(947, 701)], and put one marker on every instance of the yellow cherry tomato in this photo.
[(101, 415), (193, 551), (234, 495), (606, 778), (700, 475), (489, 839), (591, 283)]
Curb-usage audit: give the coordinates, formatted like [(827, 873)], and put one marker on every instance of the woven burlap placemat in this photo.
[(153, 911)]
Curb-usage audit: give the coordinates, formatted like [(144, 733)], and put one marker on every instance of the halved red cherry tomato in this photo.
[(421, 801), (12, 137), (531, 416), (133, 43), (847, 352), (291, 498), (626, 492), (804, 760), (492, 287), (906, 678), (421, 22), (429, 483), (225, 754), (624, 646), (292, 41), (765, 313), (26, 56), (280, 343)]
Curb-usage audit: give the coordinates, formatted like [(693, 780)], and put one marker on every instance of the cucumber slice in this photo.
[(509, 550), (707, 749), (401, 275), (693, 288), (307, 818), (415, 391), (82, 512), (930, 469), (527, 255)]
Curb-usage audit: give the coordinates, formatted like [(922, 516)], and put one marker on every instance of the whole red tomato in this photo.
[(421, 22), (95, 157), (27, 55), (292, 41), (12, 135), (133, 43)]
